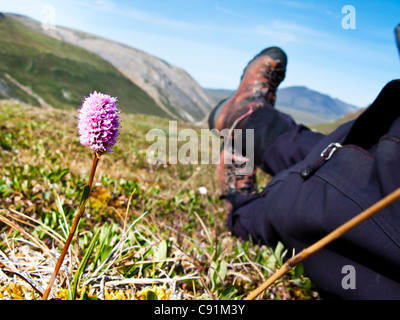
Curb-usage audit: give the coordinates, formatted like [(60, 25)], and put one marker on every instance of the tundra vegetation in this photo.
[(150, 231)]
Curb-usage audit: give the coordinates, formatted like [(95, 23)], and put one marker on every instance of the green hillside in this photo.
[(60, 73)]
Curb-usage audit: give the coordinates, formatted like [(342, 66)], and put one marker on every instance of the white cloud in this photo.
[(105, 4), (283, 32), (156, 19), (230, 12)]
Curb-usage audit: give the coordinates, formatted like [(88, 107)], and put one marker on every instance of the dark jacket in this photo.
[(299, 207)]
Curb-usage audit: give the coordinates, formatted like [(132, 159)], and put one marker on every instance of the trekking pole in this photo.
[(386, 201)]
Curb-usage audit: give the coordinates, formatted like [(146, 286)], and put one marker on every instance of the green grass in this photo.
[(143, 225), (62, 73), (327, 128), (304, 117)]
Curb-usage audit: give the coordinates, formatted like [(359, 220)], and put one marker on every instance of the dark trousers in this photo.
[(298, 209)]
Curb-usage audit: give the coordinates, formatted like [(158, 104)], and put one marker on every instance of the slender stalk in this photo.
[(71, 232), (389, 199)]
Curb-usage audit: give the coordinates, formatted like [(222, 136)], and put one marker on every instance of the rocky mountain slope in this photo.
[(57, 67), (172, 89), (304, 99), (43, 71)]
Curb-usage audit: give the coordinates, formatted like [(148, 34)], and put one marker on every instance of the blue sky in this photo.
[(214, 40)]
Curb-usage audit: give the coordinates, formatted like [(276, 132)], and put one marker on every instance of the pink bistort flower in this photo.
[(99, 122)]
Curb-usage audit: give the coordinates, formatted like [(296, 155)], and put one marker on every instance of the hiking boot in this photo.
[(230, 179), (257, 88)]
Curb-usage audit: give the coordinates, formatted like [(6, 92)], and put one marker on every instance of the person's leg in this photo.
[(251, 107), (259, 81), (299, 211)]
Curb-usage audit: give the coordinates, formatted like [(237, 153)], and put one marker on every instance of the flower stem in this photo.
[(72, 231)]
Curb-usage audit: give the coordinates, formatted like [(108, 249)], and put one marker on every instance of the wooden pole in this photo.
[(389, 199)]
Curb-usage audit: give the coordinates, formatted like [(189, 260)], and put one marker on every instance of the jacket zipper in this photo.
[(326, 154)]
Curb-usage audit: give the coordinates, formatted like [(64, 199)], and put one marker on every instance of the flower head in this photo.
[(99, 122), (203, 190)]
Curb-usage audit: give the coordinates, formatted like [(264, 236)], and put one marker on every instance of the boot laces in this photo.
[(272, 77)]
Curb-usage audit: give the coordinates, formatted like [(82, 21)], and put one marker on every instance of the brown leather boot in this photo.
[(257, 88), (230, 182), (229, 178)]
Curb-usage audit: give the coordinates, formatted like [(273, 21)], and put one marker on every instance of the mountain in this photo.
[(304, 99), (58, 67), (173, 90), (303, 104), (40, 70)]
